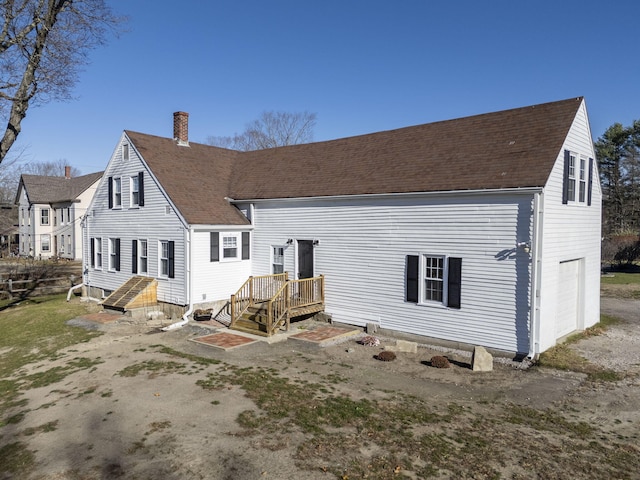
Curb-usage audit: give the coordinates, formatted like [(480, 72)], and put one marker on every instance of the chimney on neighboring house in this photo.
[(181, 128), (67, 171)]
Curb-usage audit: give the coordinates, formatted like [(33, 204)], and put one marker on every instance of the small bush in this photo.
[(386, 356), (439, 361)]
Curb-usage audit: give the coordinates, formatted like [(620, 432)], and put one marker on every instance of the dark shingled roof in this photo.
[(50, 189), (508, 149), (196, 177)]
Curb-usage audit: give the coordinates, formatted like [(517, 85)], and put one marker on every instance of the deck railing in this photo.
[(280, 295), (254, 290)]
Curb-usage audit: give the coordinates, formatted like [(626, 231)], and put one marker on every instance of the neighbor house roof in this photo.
[(508, 149), (50, 189)]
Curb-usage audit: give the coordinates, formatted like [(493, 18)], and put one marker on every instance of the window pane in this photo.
[(229, 247), (571, 190), (278, 260), (433, 278)]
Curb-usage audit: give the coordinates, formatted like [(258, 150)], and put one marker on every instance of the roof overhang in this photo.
[(446, 193)]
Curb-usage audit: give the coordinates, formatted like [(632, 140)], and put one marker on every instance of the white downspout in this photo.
[(185, 316), (536, 249), (75, 287)]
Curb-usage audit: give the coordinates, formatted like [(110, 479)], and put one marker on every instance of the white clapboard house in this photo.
[(482, 230), (50, 209)]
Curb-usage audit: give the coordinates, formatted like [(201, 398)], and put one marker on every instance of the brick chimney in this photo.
[(67, 171), (181, 128)]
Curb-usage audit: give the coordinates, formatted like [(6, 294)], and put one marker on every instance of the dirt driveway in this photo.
[(157, 405)]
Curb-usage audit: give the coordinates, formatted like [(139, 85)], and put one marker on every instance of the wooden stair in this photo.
[(254, 320), (265, 304), (134, 293)]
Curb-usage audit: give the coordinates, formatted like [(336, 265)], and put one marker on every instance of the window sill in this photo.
[(436, 305)]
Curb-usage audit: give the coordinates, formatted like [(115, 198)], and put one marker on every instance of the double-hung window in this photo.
[(115, 192), (229, 246), (114, 254), (96, 253), (135, 191), (44, 216), (45, 242), (578, 179), (582, 180), (166, 259), (433, 280), (277, 263), (142, 260)]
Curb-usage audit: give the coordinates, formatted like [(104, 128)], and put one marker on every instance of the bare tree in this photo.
[(43, 44), (272, 129), (50, 169)]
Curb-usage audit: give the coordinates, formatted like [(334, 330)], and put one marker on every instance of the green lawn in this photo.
[(621, 278)]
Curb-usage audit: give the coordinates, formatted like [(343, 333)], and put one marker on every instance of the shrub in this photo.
[(439, 361), (386, 356)]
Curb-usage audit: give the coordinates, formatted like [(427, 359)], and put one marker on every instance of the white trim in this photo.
[(238, 238), (508, 191)]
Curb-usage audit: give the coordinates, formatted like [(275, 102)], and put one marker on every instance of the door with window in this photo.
[(305, 258)]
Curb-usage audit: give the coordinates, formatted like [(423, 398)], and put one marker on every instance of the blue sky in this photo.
[(361, 65)]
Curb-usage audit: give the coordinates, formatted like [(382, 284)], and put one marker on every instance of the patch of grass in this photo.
[(562, 357), (35, 330), (56, 374), (155, 367), (16, 459), (621, 278), (547, 420), (47, 427)]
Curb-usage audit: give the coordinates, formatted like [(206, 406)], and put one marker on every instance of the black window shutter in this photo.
[(93, 252), (590, 187), (172, 250), (565, 180), (110, 190), (134, 256), (215, 246), (454, 282), (117, 252), (141, 189), (245, 246), (412, 274)]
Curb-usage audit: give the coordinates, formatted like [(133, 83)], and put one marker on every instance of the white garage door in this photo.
[(568, 298)]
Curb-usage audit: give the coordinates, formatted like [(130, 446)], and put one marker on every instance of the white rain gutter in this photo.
[(536, 249), (185, 316)]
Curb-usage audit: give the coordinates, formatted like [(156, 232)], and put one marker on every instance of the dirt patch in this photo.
[(157, 405)]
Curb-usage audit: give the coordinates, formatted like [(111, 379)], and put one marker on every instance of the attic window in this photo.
[(167, 209), (125, 152), (578, 179)]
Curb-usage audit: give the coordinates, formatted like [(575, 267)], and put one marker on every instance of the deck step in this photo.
[(249, 326)]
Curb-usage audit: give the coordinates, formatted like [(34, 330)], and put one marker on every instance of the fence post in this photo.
[(233, 308), (10, 286)]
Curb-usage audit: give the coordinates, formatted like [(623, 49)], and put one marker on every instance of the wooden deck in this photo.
[(265, 304)]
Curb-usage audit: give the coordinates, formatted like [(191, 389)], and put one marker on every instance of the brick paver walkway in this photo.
[(224, 340), (322, 334)]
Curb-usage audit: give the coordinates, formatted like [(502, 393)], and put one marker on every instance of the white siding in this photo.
[(214, 281), (152, 222), (362, 249), (570, 232)]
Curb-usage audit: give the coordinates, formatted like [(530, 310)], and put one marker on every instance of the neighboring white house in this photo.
[(50, 210), (482, 230)]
